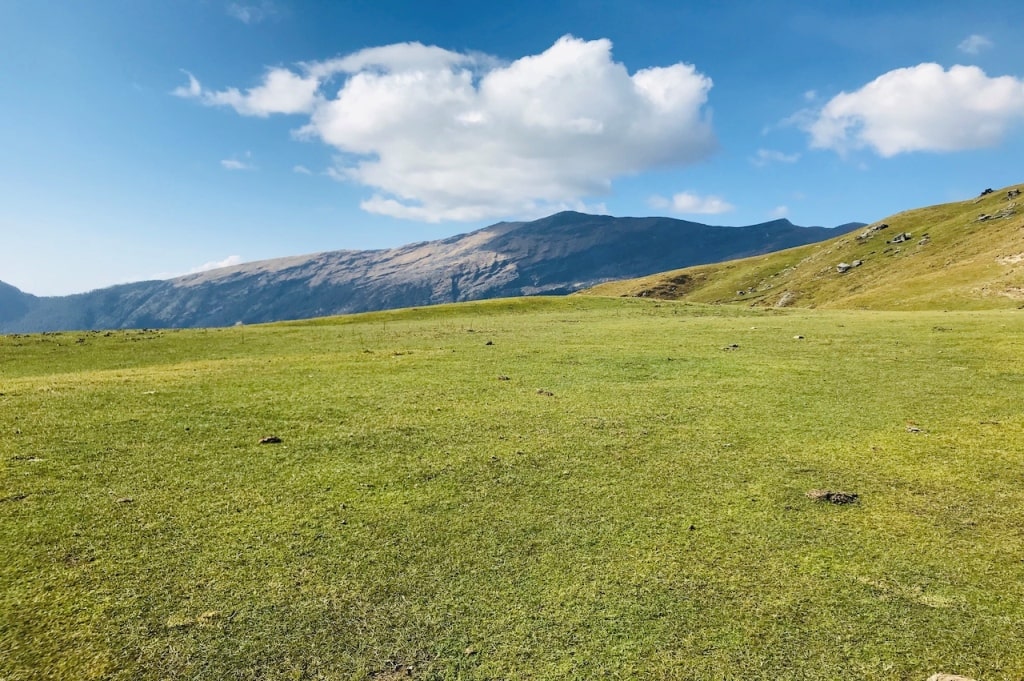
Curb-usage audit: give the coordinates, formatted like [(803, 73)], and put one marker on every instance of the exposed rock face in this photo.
[(555, 255)]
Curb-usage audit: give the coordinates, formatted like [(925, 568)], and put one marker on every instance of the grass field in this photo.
[(629, 503)]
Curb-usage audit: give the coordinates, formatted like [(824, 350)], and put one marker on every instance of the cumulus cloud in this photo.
[(689, 203), (442, 135), (767, 156), (921, 108), (973, 44), (226, 262)]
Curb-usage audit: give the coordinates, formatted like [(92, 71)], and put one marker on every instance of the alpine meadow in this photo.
[(546, 488), (553, 340)]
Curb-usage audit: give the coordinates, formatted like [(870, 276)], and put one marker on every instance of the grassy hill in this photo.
[(555, 488), (966, 255)]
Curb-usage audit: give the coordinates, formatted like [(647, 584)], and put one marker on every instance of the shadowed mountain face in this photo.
[(557, 254)]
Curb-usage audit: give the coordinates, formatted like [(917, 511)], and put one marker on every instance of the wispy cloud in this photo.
[(236, 164), (767, 156), (251, 13), (301, 170), (779, 212), (193, 90), (282, 92), (229, 261), (973, 44), (689, 203)]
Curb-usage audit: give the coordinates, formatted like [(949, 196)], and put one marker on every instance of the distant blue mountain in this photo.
[(558, 254)]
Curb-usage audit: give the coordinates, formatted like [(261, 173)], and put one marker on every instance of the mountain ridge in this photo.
[(557, 254), (960, 255)]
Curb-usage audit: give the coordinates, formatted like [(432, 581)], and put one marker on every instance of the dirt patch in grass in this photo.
[(833, 497), (669, 288), (394, 672)]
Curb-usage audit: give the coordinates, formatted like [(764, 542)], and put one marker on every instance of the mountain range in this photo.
[(559, 254)]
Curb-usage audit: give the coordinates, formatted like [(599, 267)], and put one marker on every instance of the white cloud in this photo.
[(922, 108), (395, 58), (973, 44), (779, 212), (442, 135), (226, 262), (192, 90), (251, 14), (766, 156), (688, 203), (236, 164), (302, 170), (282, 92)]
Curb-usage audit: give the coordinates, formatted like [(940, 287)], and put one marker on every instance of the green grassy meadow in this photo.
[(629, 503), (948, 258)]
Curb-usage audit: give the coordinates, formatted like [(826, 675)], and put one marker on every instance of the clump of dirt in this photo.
[(270, 440), (833, 497)]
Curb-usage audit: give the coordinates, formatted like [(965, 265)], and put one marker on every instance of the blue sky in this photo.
[(142, 140)]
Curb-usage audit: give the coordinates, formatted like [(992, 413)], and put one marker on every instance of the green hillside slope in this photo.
[(965, 255), (560, 488)]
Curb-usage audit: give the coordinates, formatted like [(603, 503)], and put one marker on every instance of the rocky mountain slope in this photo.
[(964, 255), (558, 254)]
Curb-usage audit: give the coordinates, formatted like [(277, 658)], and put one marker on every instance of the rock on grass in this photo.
[(833, 497)]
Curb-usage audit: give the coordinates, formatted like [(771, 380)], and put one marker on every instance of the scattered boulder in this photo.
[(786, 299), (833, 497), (843, 267), (1012, 193), (270, 440), (546, 393), (503, 377), (986, 192), (900, 238), (798, 337), (866, 234)]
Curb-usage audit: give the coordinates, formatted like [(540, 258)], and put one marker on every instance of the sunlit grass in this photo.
[(646, 519), (952, 260)]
